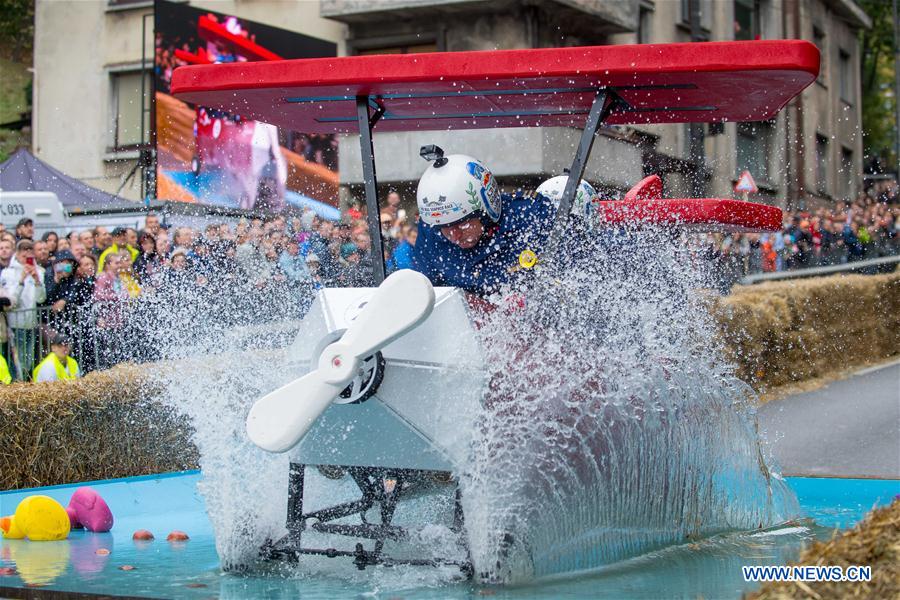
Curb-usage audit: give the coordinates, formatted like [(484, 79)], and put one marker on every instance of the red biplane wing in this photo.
[(661, 83), (706, 214), (644, 204)]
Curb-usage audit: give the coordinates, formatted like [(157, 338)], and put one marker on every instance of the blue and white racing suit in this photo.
[(525, 224)]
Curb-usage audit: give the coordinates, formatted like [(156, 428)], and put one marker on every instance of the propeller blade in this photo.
[(401, 303), (281, 418)]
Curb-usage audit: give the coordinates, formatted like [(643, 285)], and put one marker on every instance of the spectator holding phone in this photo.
[(23, 282)]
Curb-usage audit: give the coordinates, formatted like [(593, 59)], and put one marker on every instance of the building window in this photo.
[(746, 19), (127, 109), (822, 164), (847, 175), (822, 44), (846, 77), (754, 149), (705, 13), (644, 34)]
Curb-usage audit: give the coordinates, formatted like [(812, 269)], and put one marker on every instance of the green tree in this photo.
[(877, 56), (17, 28)]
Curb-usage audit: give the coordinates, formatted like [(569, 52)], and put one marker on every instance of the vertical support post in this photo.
[(148, 147), (603, 104), (373, 216), (143, 96), (896, 88), (295, 499), (696, 134)]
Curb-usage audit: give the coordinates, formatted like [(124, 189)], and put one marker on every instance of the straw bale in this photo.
[(109, 424), (101, 426), (874, 542), (783, 332)]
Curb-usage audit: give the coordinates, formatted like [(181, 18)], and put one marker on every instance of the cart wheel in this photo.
[(195, 165), (331, 472)]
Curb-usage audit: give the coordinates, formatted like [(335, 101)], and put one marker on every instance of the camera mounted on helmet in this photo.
[(433, 153)]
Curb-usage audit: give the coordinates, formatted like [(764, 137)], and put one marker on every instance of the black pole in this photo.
[(603, 104), (367, 153), (695, 130), (896, 90), (295, 499)]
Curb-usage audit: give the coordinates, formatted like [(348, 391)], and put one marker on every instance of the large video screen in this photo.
[(210, 156)]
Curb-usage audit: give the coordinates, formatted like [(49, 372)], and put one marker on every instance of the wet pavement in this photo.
[(850, 428)]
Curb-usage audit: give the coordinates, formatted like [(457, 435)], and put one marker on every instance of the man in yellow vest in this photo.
[(120, 242), (58, 365), (5, 376)]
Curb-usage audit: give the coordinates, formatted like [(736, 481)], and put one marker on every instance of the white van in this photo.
[(43, 208)]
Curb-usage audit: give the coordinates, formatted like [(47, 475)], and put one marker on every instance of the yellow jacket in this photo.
[(5, 377), (114, 249), (59, 373)]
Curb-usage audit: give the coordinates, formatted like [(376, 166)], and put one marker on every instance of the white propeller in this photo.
[(280, 419)]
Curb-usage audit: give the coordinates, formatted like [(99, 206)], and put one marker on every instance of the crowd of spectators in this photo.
[(864, 228), (112, 291)]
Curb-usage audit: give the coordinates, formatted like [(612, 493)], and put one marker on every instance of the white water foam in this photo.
[(612, 427)]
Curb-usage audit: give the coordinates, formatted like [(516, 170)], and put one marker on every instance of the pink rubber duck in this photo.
[(87, 509)]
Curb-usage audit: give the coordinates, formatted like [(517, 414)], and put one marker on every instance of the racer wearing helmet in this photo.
[(470, 235), (586, 196)]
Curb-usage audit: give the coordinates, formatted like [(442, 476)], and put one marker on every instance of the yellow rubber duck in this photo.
[(39, 518)]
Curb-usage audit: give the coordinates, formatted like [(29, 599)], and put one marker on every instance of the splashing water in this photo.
[(244, 488), (612, 425)]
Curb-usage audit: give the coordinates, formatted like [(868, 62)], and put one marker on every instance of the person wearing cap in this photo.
[(120, 242), (24, 229), (58, 365)]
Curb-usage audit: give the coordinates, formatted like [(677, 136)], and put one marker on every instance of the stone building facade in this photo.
[(88, 83), (811, 152)]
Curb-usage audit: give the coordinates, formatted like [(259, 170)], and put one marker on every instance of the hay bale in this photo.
[(874, 542), (788, 331), (109, 424), (101, 426)]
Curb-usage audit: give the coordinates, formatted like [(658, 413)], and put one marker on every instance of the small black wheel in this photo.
[(331, 472)]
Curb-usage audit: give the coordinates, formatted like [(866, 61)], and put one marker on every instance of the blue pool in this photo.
[(709, 568)]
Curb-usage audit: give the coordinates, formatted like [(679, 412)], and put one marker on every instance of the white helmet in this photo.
[(553, 189), (454, 187)]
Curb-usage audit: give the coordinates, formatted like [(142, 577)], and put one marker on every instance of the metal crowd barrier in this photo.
[(105, 334), (25, 336), (885, 264)]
